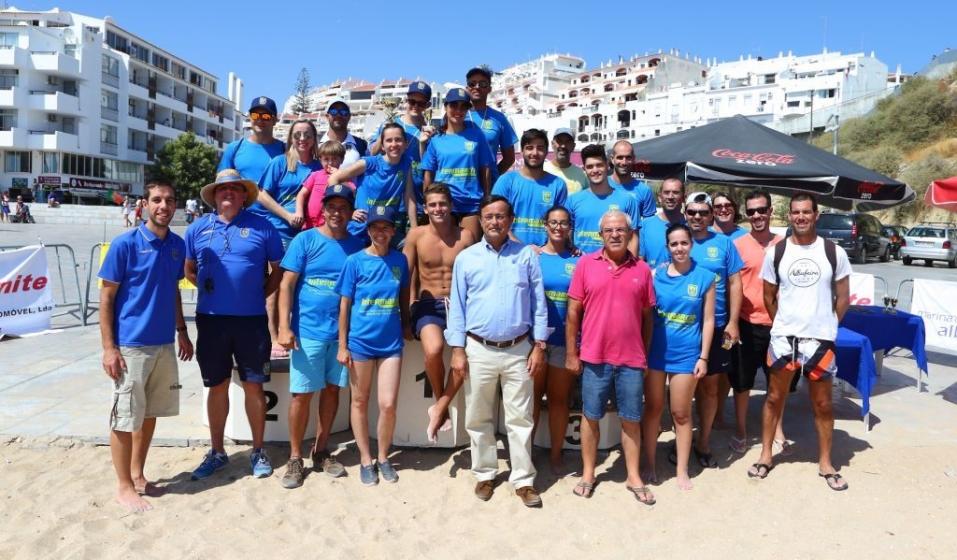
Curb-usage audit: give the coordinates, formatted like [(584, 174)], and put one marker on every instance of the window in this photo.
[(108, 134), (111, 66), (9, 40), (117, 42), (50, 162), (9, 78), (195, 78), (179, 71), (161, 62), (16, 162), (8, 119), (109, 99), (139, 52)]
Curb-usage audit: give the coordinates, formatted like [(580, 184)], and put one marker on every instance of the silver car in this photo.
[(930, 242)]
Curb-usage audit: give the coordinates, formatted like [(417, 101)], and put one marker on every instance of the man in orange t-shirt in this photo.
[(754, 323)]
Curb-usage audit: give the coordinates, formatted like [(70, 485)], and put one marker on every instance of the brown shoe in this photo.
[(529, 496), (484, 490)]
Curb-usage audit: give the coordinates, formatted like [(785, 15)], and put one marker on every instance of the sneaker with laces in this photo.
[(388, 472), (323, 462), (212, 462), (294, 474), (260, 464), (368, 475)]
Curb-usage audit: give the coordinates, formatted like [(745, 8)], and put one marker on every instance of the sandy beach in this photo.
[(57, 501)]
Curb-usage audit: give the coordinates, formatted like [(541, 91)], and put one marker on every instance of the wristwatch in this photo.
[(540, 344)]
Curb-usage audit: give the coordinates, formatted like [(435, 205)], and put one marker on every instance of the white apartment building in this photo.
[(86, 104), (534, 86)]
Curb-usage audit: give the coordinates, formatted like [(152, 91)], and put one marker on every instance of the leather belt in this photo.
[(494, 344)]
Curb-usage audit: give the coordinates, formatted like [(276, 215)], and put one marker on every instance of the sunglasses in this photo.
[(698, 212), (307, 135), (261, 116), (338, 112), (417, 103), (479, 84), (725, 206), (759, 210)]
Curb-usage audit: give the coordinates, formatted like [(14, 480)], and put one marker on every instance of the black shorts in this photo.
[(719, 359), (221, 339), (751, 354), (428, 312)]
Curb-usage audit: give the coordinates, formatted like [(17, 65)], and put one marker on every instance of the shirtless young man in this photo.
[(430, 251)]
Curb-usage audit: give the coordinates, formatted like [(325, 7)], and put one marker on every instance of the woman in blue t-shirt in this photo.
[(681, 339), (558, 260), (284, 176), (383, 180), (459, 156), (373, 318)]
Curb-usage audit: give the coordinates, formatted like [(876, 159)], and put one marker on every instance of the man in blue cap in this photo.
[(249, 155), (338, 115), (417, 100), (494, 124)]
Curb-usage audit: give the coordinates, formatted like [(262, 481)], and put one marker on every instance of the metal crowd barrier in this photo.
[(62, 301)]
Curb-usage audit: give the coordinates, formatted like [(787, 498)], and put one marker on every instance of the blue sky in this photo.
[(439, 41)]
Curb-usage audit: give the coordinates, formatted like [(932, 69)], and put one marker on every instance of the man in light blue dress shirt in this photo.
[(497, 327)]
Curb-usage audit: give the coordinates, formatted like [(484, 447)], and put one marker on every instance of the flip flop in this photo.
[(760, 471), (638, 491), (584, 489), (706, 460), (738, 445), (834, 481)]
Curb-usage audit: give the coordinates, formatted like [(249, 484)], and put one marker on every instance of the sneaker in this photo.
[(388, 472), (325, 463), (368, 475), (294, 474), (212, 462), (260, 464)]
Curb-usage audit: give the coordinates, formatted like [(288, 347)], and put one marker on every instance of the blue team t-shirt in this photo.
[(652, 245), (374, 283), (457, 160), (318, 260), (587, 208), (737, 232), (412, 134), (497, 130), (679, 312), (718, 254), (231, 262), (642, 193), (251, 159), (557, 273), (530, 199), (382, 184), (147, 270), (283, 186)]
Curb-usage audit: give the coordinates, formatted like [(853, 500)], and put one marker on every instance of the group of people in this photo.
[(17, 211), (534, 277), (132, 209)]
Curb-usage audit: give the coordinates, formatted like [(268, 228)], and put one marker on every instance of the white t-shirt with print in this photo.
[(805, 307)]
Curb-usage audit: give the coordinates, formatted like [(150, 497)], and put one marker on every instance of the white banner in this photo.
[(862, 289), (26, 300), (936, 302)]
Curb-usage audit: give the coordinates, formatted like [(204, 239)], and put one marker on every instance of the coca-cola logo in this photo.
[(869, 188), (755, 158), (642, 166)]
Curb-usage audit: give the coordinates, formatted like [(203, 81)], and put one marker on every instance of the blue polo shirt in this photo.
[(642, 193), (382, 184), (652, 245), (250, 159), (283, 186), (147, 269), (412, 133), (373, 283), (530, 200), (497, 130), (318, 260), (457, 160), (234, 257), (717, 254), (587, 208), (557, 273)]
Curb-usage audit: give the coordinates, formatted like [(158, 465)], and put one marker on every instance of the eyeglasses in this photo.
[(303, 135), (698, 212), (614, 231), (261, 116), (479, 84), (416, 103), (725, 206), (759, 210), (338, 112), (559, 223)]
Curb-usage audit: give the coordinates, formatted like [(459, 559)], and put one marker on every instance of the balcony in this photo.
[(139, 90), (110, 80), (54, 102), (13, 138), (52, 140), (13, 97), (108, 148), (56, 63), (136, 155), (109, 114), (15, 57)]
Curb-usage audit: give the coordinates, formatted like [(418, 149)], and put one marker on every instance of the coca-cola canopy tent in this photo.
[(739, 151), (943, 194)]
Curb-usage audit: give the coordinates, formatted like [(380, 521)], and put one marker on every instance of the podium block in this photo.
[(277, 408), (415, 398), (609, 428)]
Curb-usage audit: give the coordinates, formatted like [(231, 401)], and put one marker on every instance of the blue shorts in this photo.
[(365, 358), (313, 366), (428, 312), (220, 339), (598, 380)]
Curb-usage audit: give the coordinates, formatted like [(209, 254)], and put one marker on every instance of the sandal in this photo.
[(760, 471), (738, 445), (584, 489), (706, 460), (640, 491), (834, 481)]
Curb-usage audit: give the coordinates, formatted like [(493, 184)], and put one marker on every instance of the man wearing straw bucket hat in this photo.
[(226, 254)]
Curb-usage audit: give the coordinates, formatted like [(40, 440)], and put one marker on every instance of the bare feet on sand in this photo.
[(684, 483), (132, 501), (146, 488)]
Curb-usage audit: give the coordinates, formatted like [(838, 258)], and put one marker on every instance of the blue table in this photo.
[(855, 365), (886, 331)]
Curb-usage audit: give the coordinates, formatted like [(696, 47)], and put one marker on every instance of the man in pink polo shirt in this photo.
[(614, 292)]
